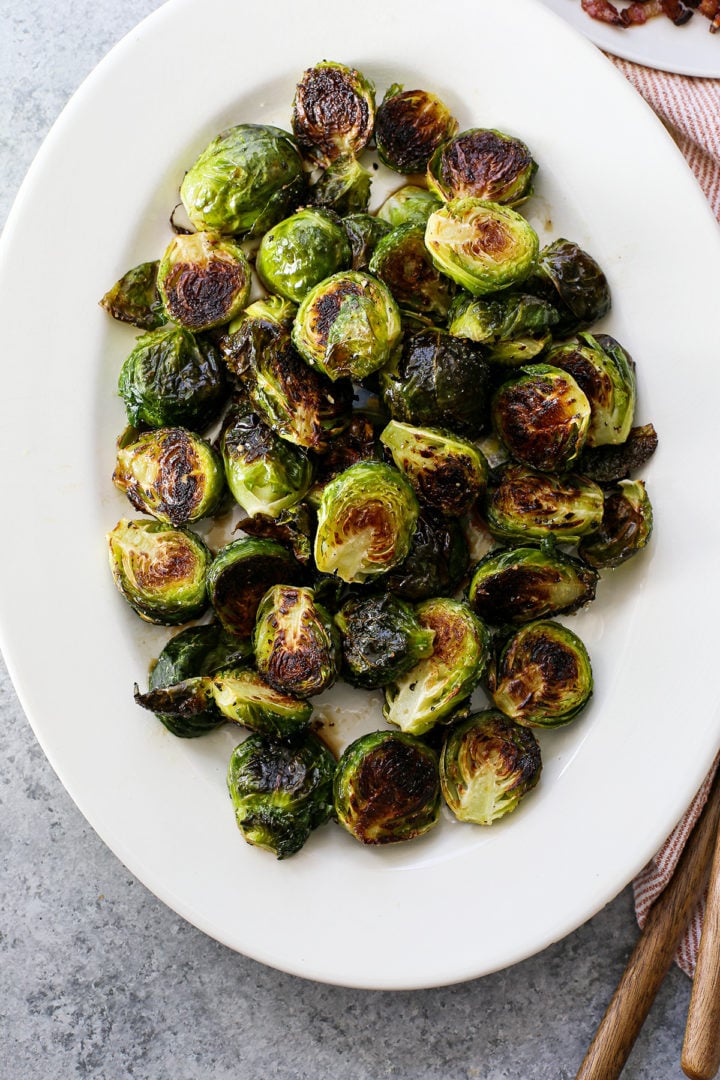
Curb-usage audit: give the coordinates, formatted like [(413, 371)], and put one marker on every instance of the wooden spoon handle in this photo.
[(701, 1049), (653, 954)]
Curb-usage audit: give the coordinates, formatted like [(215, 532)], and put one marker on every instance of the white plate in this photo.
[(462, 901), (687, 50)]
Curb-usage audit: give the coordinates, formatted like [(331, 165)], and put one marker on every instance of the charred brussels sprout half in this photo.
[(436, 687), (294, 528), (409, 126), (387, 788), (248, 178), (608, 463), (482, 246), (266, 474), (343, 187), (347, 326), (542, 417), (526, 503), (513, 327), (448, 473), (409, 205), (333, 112), (381, 640), (403, 262), (543, 676), (204, 280), (170, 473), (487, 764), (525, 583), (436, 563), (366, 520), (484, 164), (240, 575), (263, 326), (160, 570), (301, 251), (295, 642), (574, 283), (135, 298), (281, 791), (363, 232), (172, 379), (626, 526), (606, 374), (438, 380)]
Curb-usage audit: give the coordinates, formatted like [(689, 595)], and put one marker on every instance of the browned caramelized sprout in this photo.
[(204, 280), (527, 503), (295, 642), (483, 164), (333, 111), (626, 526), (409, 126)]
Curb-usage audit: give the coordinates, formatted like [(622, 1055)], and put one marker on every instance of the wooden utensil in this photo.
[(653, 954), (701, 1049)]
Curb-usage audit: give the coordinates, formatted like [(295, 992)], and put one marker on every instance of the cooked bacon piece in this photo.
[(603, 11)]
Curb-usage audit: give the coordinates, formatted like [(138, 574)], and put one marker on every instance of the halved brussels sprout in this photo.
[(448, 473), (295, 642), (605, 372), (363, 232), (172, 379), (484, 164), (517, 585), (543, 676), (605, 464), (438, 686), (514, 327), (266, 474), (333, 111), (387, 788), (343, 187), (263, 325), (240, 575), (170, 473), (135, 299), (439, 381), (487, 764), (248, 178), (436, 563), (526, 503), (357, 442), (366, 520), (542, 417), (347, 326), (281, 791), (626, 526), (160, 570), (301, 251), (294, 528), (204, 280), (403, 262), (381, 640), (482, 246), (409, 126), (574, 283)]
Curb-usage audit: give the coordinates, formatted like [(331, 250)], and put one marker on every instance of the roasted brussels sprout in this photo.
[(438, 380), (381, 639), (301, 251), (294, 528), (366, 520), (573, 283), (204, 280), (357, 442), (517, 585), (263, 326), (266, 474), (483, 164), (333, 111), (172, 379), (409, 126), (281, 791), (248, 178), (135, 298), (409, 205), (387, 788), (403, 262), (526, 503), (482, 246), (542, 417), (606, 374), (435, 688), (487, 764), (514, 327), (543, 676), (604, 464), (240, 575), (160, 570), (343, 187), (448, 473), (363, 232), (436, 563), (295, 642), (625, 529), (347, 326), (170, 473)]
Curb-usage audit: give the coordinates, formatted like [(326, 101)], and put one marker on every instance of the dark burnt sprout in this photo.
[(240, 575), (333, 113), (409, 126), (482, 164), (574, 283), (381, 638), (605, 373), (626, 526), (204, 280)]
